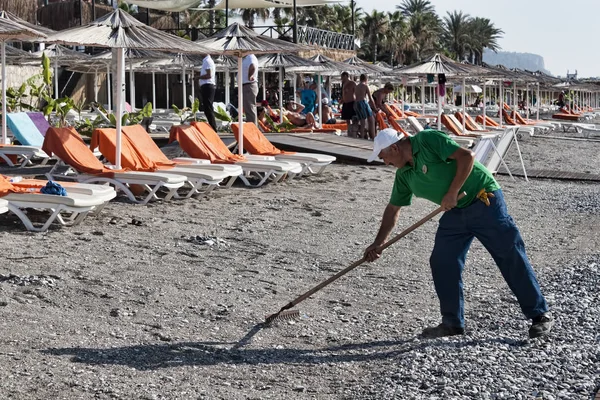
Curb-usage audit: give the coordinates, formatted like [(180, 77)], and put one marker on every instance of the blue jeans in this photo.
[(496, 230)]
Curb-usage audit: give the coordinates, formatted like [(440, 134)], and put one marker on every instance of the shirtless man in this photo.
[(362, 107), (379, 97), (348, 101)]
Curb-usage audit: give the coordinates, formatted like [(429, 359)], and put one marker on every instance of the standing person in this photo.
[(362, 108), (250, 86), (348, 100), (308, 98), (431, 165), (207, 89)]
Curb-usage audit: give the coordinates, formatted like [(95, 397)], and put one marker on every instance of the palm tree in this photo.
[(482, 34), (411, 7), (399, 39), (424, 25), (374, 28), (249, 15), (456, 34), (315, 17)]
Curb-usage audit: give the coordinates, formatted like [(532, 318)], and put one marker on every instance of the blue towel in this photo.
[(53, 188)]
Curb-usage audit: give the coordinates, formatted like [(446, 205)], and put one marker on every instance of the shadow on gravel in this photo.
[(156, 356)]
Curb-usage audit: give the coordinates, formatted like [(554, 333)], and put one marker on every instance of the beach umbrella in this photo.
[(166, 5), (60, 55), (119, 30), (13, 55), (38, 28), (11, 30), (239, 41), (439, 64), (365, 67)]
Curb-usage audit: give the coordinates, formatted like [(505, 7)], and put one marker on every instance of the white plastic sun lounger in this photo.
[(417, 127), (263, 168), (64, 141), (3, 206), (67, 210), (25, 154), (313, 163)]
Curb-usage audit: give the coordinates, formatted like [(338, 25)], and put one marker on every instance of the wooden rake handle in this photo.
[(362, 260)]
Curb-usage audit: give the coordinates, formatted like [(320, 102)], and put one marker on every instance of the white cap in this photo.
[(385, 138)]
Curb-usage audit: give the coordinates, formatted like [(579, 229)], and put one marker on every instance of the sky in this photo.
[(565, 33)]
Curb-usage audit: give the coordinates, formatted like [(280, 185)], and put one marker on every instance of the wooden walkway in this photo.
[(561, 175), (344, 148)]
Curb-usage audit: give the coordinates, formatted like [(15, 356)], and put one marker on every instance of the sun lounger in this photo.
[(69, 148), (489, 122), (140, 139), (199, 180), (3, 206), (417, 127), (201, 142), (29, 137), (105, 193), (67, 210), (255, 142)]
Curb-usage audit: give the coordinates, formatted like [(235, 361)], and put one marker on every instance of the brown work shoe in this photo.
[(441, 330)]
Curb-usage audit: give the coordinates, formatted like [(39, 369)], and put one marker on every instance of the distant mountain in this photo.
[(528, 61)]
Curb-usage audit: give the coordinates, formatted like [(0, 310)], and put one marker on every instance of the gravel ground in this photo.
[(172, 309)]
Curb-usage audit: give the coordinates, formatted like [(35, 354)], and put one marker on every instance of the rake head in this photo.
[(282, 315)]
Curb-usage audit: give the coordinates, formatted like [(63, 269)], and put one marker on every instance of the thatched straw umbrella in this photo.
[(119, 30)]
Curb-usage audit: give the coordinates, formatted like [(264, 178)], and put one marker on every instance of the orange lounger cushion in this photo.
[(255, 141), (488, 121), (197, 145), (69, 147), (131, 158)]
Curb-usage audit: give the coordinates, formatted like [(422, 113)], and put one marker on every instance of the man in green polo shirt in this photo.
[(433, 166)]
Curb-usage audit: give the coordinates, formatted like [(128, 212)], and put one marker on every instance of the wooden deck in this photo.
[(344, 148)]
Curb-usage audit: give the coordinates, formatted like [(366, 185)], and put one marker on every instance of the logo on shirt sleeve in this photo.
[(424, 169)]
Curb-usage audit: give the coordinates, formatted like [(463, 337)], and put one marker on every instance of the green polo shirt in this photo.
[(432, 172)]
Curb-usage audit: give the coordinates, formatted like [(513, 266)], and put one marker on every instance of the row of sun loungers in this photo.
[(146, 173)]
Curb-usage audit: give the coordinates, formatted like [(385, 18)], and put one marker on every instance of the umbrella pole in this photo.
[(167, 103), (320, 100), (422, 96), (184, 87), (55, 78), (95, 86), (4, 131), (464, 105), (240, 107), (154, 90), (132, 78), (514, 100), (294, 88), (439, 121), (108, 88), (280, 93), (193, 86), (483, 111), (527, 101), (264, 82), (119, 105), (501, 104), (227, 97)]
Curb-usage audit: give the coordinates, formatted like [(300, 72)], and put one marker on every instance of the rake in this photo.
[(286, 314)]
